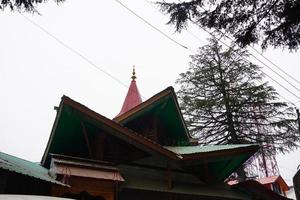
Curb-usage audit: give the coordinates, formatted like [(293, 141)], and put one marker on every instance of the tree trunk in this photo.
[(231, 130)]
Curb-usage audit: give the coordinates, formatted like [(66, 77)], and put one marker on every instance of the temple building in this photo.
[(145, 152)]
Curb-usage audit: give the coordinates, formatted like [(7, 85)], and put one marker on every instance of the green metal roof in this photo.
[(214, 162), (27, 168), (204, 149)]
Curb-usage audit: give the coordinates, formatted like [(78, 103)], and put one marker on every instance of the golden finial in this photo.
[(133, 73)]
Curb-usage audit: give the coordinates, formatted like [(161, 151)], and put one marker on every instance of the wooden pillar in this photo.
[(98, 146), (169, 177), (3, 181), (155, 128), (86, 138)]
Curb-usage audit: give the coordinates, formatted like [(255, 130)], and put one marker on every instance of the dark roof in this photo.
[(25, 167), (257, 190)]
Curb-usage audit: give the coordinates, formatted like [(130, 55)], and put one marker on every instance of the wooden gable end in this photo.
[(159, 119)]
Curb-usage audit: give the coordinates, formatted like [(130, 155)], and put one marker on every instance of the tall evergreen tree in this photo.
[(271, 22), (224, 100)]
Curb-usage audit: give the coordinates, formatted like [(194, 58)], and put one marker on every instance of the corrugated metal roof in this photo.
[(20, 166), (181, 150)]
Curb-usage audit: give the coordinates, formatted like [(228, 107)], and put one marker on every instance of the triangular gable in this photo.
[(164, 106), (67, 138), (67, 129)]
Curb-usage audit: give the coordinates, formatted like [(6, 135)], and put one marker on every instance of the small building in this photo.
[(275, 183), (258, 191)]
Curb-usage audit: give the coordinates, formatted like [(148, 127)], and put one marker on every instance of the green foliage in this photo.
[(27, 5), (224, 100), (274, 22)]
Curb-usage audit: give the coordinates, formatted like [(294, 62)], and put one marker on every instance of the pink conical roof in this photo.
[(133, 97)]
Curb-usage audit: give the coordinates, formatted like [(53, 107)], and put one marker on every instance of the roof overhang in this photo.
[(84, 168), (26, 168)]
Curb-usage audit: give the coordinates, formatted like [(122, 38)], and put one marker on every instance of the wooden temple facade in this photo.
[(145, 152)]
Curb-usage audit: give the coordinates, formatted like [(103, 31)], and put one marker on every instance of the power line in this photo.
[(224, 34), (275, 65), (269, 66), (74, 51), (152, 26), (249, 61), (219, 39)]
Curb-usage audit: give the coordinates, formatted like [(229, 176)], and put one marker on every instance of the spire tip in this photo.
[(133, 77)]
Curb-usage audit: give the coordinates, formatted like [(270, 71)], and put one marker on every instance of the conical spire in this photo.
[(133, 97)]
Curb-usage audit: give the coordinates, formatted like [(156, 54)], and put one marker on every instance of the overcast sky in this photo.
[(65, 50)]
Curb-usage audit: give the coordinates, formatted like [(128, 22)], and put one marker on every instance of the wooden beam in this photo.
[(155, 128), (207, 174), (86, 138), (169, 178), (98, 146)]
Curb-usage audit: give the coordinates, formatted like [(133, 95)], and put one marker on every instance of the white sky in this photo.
[(36, 70)]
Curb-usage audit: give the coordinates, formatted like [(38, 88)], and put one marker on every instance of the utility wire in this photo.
[(249, 61), (275, 65), (152, 26), (219, 39), (269, 66), (74, 51), (148, 23), (224, 34)]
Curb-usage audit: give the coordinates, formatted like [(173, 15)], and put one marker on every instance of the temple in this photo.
[(145, 152)]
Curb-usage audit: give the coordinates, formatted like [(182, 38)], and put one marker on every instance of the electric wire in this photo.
[(152, 26), (219, 39), (269, 66), (298, 97), (290, 76), (74, 51), (148, 23), (293, 78)]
